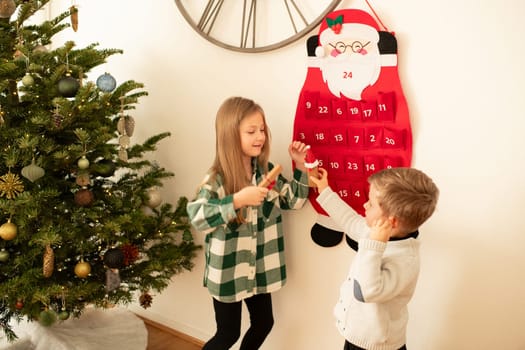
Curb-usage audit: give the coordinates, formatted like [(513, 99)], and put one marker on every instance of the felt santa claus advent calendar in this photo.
[(352, 110)]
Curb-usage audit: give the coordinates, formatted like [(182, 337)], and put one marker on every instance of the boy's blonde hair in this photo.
[(228, 155), (407, 194)]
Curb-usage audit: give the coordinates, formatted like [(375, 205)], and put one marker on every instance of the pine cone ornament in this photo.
[(49, 261), (145, 300), (131, 253), (57, 120), (73, 10)]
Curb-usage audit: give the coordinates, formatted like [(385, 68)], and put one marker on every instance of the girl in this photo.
[(244, 245)]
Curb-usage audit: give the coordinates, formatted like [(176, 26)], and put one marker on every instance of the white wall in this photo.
[(461, 64)]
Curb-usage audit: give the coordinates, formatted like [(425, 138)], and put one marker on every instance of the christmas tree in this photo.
[(82, 220)]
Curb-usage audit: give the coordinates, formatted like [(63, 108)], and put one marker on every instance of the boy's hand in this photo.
[(382, 230), (322, 181), (297, 151)]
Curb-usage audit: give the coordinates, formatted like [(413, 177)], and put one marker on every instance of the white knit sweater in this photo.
[(372, 308)]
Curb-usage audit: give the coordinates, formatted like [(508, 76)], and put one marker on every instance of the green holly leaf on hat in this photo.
[(335, 24)]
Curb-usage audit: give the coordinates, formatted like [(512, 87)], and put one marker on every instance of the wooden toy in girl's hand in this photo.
[(270, 178)]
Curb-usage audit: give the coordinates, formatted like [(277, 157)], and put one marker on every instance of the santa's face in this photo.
[(349, 66)]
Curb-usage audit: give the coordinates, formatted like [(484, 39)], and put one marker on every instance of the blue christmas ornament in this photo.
[(106, 82)]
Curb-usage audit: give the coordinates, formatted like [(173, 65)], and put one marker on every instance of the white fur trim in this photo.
[(389, 60), (349, 30), (319, 51), (313, 62)]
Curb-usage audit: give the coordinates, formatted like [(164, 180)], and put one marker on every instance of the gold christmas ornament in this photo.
[(8, 231), (49, 261), (28, 80), (82, 269), (83, 163), (153, 197), (10, 185), (7, 8), (32, 172)]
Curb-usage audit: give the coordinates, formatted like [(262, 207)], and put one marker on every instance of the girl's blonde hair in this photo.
[(228, 161), (406, 193)]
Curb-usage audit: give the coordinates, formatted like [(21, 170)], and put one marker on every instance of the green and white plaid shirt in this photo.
[(244, 259)]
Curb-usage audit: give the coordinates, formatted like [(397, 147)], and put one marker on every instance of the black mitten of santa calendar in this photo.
[(352, 111)]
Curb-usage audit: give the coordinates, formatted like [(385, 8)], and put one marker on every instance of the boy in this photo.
[(372, 309)]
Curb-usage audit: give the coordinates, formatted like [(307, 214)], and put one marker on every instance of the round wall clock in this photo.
[(254, 26)]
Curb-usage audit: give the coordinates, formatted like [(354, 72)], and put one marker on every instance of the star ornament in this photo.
[(10, 185)]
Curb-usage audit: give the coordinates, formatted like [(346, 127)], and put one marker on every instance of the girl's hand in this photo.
[(297, 151), (382, 230), (322, 181), (249, 196)]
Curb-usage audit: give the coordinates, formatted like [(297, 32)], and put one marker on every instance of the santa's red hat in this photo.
[(310, 160), (341, 24)]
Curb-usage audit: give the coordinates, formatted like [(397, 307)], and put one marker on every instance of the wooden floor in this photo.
[(161, 337)]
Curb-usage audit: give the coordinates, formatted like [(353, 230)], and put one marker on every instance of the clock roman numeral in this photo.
[(249, 18), (252, 25), (211, 11)]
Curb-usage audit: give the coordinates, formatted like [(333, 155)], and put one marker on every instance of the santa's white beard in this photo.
[(364, 70)]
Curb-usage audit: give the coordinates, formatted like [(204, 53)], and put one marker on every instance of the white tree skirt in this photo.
[(96, 329)]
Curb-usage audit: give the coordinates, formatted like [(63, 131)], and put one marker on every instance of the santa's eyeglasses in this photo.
[(356, 46)]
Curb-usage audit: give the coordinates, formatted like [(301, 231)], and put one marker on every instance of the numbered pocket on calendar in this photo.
[(339, 111), (324, 109), (310, 103), (386, 106), (304, 135), (353, 165), (356, 137), (321, 136), (393, 138), (372, 164), (358, 196), (342, 188), (391, 162), (336, 164), (338, 136), (369, 111), (353, 110), (373, 137)]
